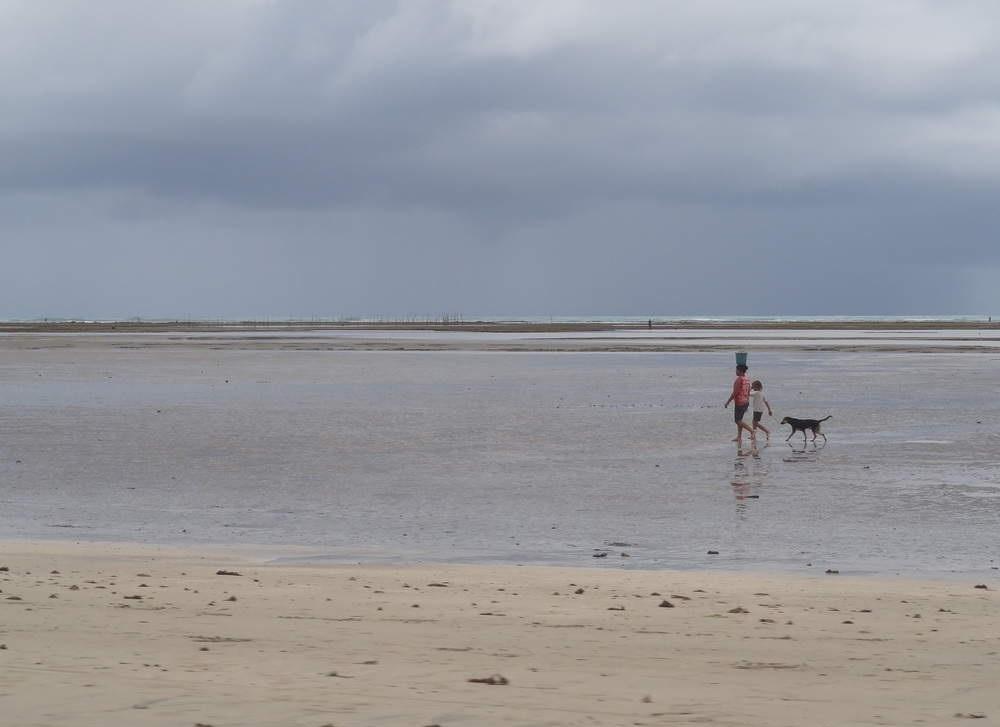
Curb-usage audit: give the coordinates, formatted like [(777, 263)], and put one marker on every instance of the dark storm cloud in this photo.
[(499, 157)]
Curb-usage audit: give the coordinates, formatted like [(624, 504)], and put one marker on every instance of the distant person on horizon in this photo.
[(759, 402), (741, 400)]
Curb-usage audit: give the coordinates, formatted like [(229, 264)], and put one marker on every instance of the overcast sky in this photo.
[(231, 158)]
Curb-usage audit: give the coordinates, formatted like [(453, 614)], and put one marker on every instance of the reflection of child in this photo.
[(759, 402)]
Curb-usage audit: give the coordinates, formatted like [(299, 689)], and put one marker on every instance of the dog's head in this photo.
[(785, 420)]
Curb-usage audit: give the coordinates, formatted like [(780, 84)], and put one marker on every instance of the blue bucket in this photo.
[(741, 358)]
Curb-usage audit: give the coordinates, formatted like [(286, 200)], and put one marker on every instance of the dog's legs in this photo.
[(789, 435)]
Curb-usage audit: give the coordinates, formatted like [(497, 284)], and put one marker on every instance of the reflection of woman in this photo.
[(749, 472), (740, 483)]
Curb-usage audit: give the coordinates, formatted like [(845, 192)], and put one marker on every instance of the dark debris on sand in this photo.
[(493, 679)]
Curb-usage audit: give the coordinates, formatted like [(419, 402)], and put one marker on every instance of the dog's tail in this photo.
[(826, 417)]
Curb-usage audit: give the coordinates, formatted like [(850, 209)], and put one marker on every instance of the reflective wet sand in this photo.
[(467, 455)]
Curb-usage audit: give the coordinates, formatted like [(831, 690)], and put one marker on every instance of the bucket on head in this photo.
[(741, 358)]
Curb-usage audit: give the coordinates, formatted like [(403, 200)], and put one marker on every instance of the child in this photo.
[(741, 400), (759, 402)]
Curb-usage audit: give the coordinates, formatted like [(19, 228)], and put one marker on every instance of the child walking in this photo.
[(759, 402)]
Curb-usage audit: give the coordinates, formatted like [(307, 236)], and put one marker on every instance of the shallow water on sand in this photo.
[(522, 457)]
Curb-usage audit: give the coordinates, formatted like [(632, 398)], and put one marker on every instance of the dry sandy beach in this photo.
[(97, 634)]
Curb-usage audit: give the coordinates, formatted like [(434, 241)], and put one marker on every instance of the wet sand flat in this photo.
[(105, 635), (482, 456), (582, 338)]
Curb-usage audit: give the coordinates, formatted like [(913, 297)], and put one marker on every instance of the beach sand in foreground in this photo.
[(139, 635)]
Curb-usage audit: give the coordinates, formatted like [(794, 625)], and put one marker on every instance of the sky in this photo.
[(299, 158)]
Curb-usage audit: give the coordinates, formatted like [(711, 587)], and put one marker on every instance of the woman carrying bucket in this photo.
[(741, 399)]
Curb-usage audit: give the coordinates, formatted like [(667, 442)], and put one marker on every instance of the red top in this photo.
[(741, 390)]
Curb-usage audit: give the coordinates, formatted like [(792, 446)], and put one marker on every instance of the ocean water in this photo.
[(490, 318), (472, 456)]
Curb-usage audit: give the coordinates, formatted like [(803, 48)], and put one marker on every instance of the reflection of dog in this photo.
[(801, 425)]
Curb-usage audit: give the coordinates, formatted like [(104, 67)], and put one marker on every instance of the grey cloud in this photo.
[(417, 157)]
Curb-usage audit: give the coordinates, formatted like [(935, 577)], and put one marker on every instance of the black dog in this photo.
[(801, 425)]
